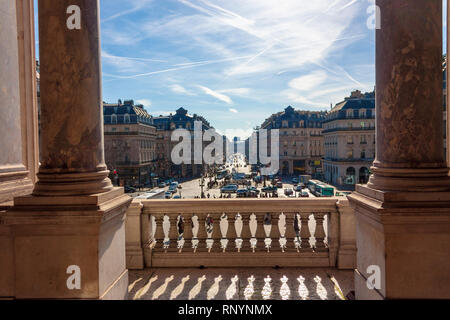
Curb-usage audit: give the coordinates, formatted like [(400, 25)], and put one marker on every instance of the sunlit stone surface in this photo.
[(240, 284)]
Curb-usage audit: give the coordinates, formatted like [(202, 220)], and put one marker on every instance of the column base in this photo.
[(407, 236), (413, 180), (72, 184), (50, 234)]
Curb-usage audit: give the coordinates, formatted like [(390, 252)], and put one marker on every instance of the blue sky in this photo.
[(235, 61)]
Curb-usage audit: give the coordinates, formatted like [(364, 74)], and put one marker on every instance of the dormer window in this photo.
[(126, 118), (114, 119)]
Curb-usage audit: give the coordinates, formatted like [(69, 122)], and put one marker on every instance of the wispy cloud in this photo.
[(216, 94), (233, 110), (178, 89), (136, 6)]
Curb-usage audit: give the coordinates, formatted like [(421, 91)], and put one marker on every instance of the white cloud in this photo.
[(176, 88), (145, 102), (216, 94), (309, 81), (234, 110)]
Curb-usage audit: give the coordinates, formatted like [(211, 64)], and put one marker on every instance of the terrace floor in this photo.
[(240, 284)]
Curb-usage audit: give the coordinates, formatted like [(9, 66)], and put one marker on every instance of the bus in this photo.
[(155, 194), (320, 189)]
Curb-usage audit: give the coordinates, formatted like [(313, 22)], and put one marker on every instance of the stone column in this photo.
[(403, 213), (74, 222), (72, 155), (409, 122)]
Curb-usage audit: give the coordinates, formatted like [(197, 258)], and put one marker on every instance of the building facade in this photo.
[(165, 126), (301, 142), (130, 144), (349, 139)]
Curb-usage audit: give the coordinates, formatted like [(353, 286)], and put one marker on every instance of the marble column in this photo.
[(409, 122), (73, 225), (72, 154), (403, 213)]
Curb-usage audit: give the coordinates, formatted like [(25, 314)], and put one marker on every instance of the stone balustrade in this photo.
[(241, 233)]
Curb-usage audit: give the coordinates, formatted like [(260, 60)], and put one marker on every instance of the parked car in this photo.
[(241, 193), (294, 180), (304, 194), (162, 185), (253, 189), (288, 192), (298, 188), (269, 189), (168, 195), (279, 184), (176, 196), (230, 188)]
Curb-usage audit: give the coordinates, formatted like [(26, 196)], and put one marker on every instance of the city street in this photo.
[(192, 189)]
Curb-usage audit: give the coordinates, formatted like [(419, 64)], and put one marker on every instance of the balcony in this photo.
[(241, 233)]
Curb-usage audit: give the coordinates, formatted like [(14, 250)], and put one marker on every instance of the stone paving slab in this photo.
[(239, 284)]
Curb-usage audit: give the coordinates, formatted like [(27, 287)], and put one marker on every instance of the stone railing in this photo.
[(241, 233)]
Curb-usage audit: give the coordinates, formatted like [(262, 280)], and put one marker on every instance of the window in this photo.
[(114, 118), (349, 154), (126, 118), (127, 129), (363, 124), (363, 139), (363, 154), (350, 140)]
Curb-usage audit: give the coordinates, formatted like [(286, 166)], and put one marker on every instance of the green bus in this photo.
[(320, 189)]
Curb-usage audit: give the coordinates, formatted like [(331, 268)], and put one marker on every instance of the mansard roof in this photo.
[(136, 112), (293, 117)]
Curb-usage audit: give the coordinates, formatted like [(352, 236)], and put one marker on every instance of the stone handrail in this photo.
[(314, 232)]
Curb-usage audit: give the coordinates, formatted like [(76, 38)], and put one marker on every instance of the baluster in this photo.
[(238, 226), (201, 231), (260, 232), (216, 236), (305, 233), (173, 231), (224, 232), (290, 232), (253, 226), (319, 234), (267, 225), (195, 227), (187, 235), (159, 232), (282, 231), (246, 233)]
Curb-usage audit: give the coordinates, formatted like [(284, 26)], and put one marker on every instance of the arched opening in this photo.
[(364, 175), (350, 176)]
